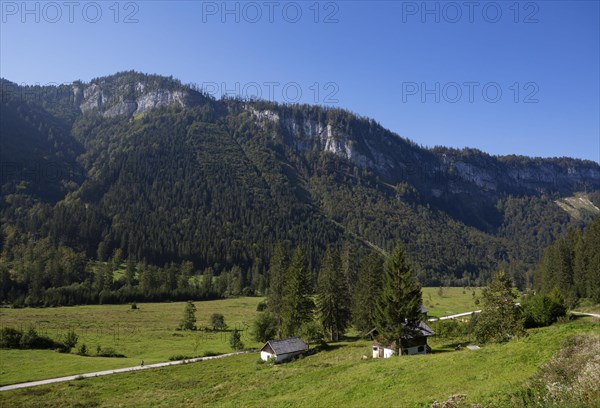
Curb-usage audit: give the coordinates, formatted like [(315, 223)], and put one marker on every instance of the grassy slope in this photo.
[(147, 333), (332, 378), (452, 301)]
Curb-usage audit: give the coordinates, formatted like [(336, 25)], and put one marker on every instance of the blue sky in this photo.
[(503, 77)]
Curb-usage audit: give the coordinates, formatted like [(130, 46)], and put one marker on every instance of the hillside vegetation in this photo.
[(157, 170)]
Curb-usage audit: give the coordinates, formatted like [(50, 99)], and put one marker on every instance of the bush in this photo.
[(70, 340), (10, 338), (543, 310), (31, 340), (261, 307), (82, 351), (217, 322), (235, 340)]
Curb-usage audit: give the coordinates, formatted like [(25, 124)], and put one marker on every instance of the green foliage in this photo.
[(264, 327), (311, 332), (215, 185), (366, 291), (83, 350), (70, 340), (499, 320), (572, 265), (280, 263), (217, 322), (235, 340), (543, 310), (188, 322), (10, 338), (333, 296), (297, 307), (398, 309)]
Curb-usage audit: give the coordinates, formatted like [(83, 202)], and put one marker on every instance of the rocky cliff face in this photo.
[(111, 98), (442, 171)]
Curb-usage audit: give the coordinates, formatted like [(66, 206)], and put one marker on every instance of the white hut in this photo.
[(283, 349)]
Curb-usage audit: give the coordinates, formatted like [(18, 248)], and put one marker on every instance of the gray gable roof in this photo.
[(286, 346), (424, 331)]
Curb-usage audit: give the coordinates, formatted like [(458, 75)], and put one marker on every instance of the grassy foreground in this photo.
[(337, 377)]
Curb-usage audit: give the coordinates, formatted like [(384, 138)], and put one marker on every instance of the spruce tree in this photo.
[(280, 263), (333, 300), (398, 309), (367, 291), (297, 306)]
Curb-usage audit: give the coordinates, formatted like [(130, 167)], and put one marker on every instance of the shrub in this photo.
[(261, 307), (31, 340), (217, 322), (82, 351), (70, 340), (235, 340), (543, 310), (10, 338)]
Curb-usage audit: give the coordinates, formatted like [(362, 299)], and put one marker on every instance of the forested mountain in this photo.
[(165, 173)]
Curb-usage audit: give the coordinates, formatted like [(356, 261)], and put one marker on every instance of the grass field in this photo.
[(450, 301), (330, 378), (148, 333)]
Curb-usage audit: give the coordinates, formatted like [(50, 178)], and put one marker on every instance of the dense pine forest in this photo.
[(136, 187)]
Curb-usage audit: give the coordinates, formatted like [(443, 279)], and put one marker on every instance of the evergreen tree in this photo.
[(297, 306), (592, 255), (280, 263), (398, 309), (367, 291), (333, 296), (185, 273), (499, 319), (188, 322), (235, 340), (130, 271)]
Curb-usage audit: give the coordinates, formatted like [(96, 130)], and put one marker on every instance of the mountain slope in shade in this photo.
[(168, 173)]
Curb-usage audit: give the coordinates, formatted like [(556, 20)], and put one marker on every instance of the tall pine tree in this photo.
[(398, 309), (297, 306), (280, 263), (333, 300), (367, 291)]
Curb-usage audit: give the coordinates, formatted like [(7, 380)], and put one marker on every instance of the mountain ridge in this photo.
[(167, 172)]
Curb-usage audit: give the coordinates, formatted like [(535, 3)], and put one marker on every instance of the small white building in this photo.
[(417, 344), (283, 349)]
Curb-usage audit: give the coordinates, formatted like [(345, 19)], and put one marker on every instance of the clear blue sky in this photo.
[(385, 60)]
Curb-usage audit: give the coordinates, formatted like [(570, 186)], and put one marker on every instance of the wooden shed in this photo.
[(283, 349)]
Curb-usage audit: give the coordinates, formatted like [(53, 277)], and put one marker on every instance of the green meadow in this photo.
[(334, 377), (149, 333)]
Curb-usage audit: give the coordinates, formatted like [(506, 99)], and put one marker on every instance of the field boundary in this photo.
[(115, 371)]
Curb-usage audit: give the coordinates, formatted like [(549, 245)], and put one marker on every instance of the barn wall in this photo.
[(265, 356)]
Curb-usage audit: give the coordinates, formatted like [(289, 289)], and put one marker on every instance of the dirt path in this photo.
[(115, 371)]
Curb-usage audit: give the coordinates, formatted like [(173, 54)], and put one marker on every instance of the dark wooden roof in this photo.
[(424, 331), (285, 346)]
